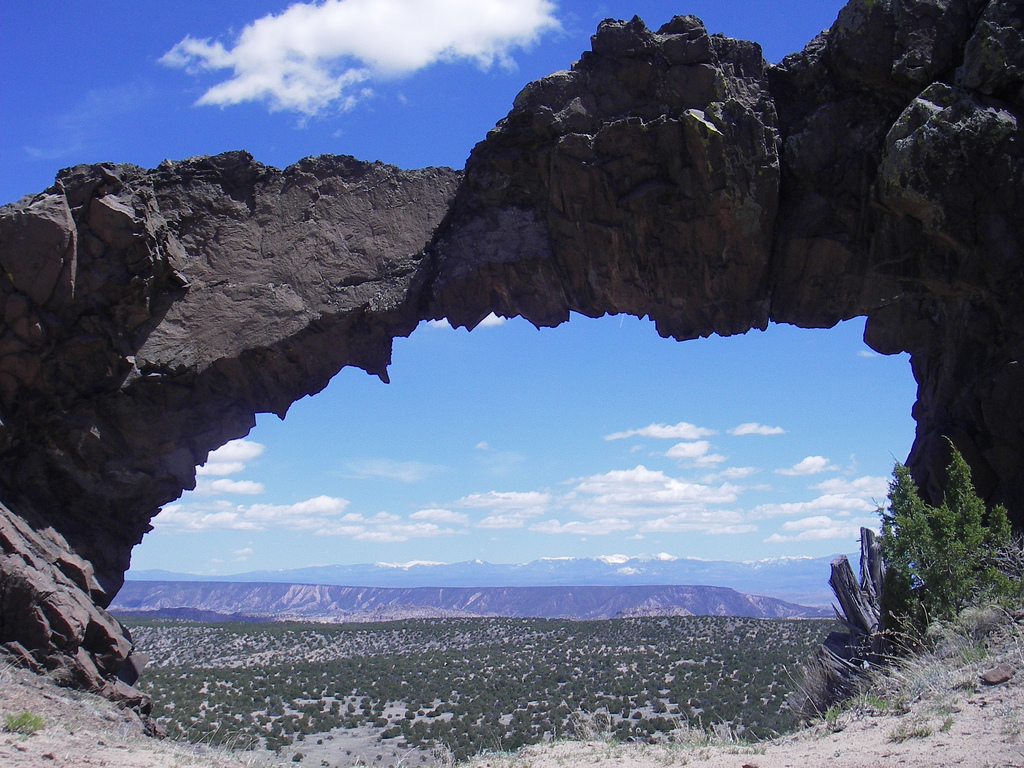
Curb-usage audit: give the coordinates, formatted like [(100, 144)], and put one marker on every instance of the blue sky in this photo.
[(504, 444)]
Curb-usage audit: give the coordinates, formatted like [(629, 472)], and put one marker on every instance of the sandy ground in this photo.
[(80, 729), (949, 718), (985, 733), (351, 747)]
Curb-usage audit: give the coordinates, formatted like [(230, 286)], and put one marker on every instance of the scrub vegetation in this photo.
[(944, 559), (460, 687)]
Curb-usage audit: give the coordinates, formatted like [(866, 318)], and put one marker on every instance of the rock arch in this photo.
[(149, 315)]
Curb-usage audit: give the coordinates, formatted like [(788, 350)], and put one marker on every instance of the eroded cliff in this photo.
[(149, 315)]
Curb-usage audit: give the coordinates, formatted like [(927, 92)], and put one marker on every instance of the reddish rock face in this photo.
[(147, 316)]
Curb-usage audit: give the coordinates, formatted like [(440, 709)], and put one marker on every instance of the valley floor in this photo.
[(933, 712)]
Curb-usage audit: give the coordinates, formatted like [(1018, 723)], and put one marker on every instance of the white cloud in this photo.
[(688, 450), (867, 486), (404, 471), (312, 55), (834, 503), (753, 428), (441, 516), (509, 509), (681, 431), (710, 460), (811, 465), (309, 515), (821, 527), (583, 527), (512, 520), (708, 521), (320, 516), (730, 530), (230, 458), (842, 498), (506, 500), (730, 473), (640, 492), (867, 353), (442, 323), (395, 532), (482, 446), (298, 513), (244, 487)]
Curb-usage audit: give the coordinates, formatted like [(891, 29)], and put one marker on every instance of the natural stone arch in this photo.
[(148, 315)]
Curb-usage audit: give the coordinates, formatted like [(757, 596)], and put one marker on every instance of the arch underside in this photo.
[(149, 315)]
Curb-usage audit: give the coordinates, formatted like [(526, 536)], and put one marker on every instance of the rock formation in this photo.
[(148, 315)]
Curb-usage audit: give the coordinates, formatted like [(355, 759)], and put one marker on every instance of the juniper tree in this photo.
[(940, 559)]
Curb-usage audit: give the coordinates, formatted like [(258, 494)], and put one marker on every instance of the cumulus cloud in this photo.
[(811, 465), (688, 450), (403, 471), (821, 527), (313, 55), (230, 458), (445, 516), (244, 487), (867, 486), (395, 532), (710, 459), (320, 516), (753, 428), (506, 500), (730, 473), (309, 515), (508, 509), (841, 497), (695, 454), (642, 492), (681, 431), (583, 527), (708, 521), (834, 503)]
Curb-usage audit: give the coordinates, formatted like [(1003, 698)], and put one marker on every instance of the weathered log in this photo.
[(871, 567), (844, 657)]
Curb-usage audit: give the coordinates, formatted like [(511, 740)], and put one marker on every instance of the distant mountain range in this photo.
[(797, 580), (249, 600)]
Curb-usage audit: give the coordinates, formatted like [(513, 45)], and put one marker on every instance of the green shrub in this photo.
[(24, 722), (940, 559)]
